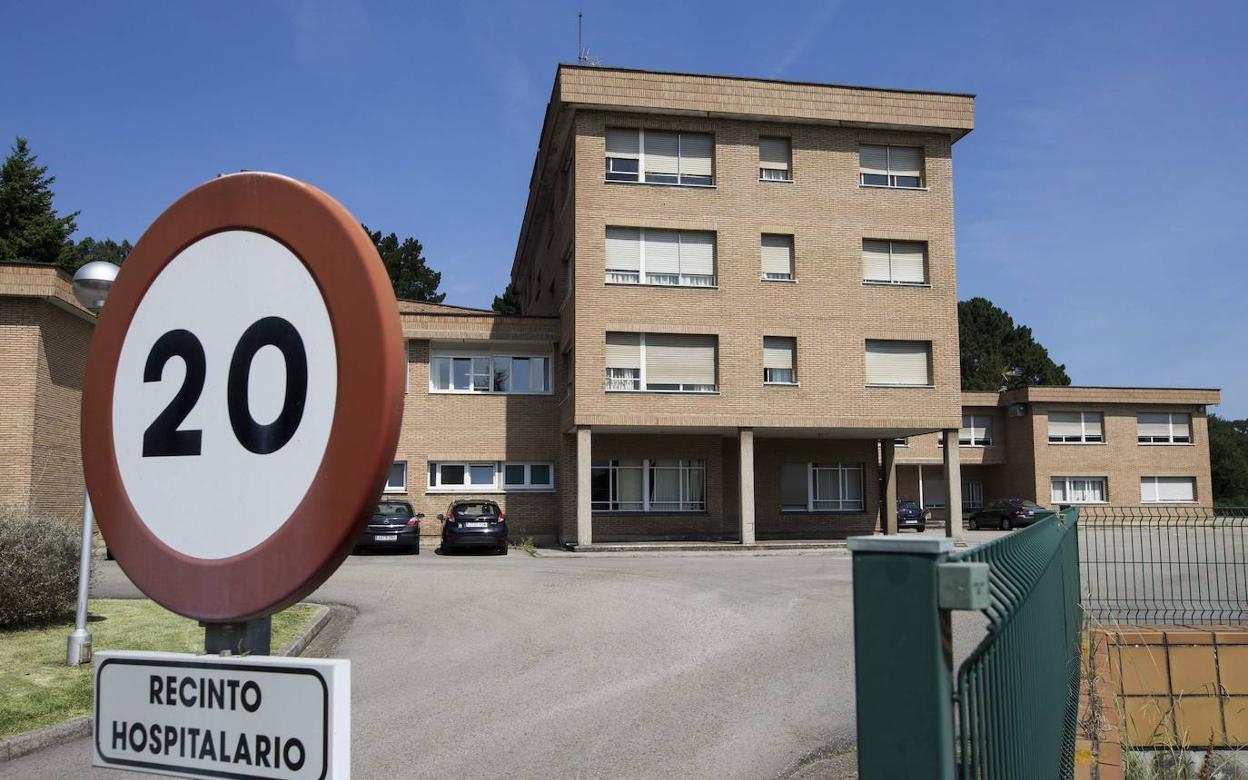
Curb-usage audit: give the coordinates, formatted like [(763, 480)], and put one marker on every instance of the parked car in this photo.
[(1005, 513), (394, 526), (474, 524), (911, 515)]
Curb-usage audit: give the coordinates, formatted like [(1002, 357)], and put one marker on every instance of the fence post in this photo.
[(902, 658)]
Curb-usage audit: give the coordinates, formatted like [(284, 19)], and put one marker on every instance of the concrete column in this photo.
[(746, 436), (888, 472), (953, 487), (584, 487)]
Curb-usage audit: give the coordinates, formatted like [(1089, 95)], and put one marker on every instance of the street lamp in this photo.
[(91, 285)]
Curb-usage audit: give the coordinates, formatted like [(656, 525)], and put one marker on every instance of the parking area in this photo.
[(725, 666)]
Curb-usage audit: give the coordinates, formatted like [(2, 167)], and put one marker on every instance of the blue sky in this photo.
[(1103, 199)]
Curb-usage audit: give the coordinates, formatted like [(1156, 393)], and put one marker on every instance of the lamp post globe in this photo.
[(92, 283)]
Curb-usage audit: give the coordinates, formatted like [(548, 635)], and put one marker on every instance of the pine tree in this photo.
[(996, 353), (410, 275), (30, 229), (508, 302)]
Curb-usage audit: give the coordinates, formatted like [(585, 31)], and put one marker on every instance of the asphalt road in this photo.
[(722, 666)]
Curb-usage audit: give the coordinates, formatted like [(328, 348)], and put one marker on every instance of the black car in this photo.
[(393, 526), (911, 515), (1005, 513), (474, 524)]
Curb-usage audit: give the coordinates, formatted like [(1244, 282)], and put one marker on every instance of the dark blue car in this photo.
[(911, 515)]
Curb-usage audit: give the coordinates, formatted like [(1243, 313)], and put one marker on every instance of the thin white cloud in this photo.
[(802, 42)]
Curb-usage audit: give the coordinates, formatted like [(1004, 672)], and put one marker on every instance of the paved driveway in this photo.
[(719, 666)]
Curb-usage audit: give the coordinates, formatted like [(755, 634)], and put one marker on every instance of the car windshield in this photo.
[(484, 509), (393, 510), (908, 504)]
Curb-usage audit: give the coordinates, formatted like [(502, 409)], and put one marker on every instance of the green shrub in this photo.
[(38, 567)]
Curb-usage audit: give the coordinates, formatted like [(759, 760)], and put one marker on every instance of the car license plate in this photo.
[(386, 538), (476, 525)]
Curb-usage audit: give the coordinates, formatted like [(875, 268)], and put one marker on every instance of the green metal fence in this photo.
[(1017, 693), (1011, 710)]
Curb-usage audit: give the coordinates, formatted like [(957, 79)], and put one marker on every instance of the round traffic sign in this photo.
[(243, 397)]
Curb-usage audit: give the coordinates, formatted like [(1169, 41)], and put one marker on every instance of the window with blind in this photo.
[(660, 156), (469, 372), (1079, 490), (890, 166), (1164, 490), (777, 257), (976, 430), (934, 493), (1164, 427), (671, 362), (899, 363), (821, 487), (775, 159), (779, 360), (1076, 427), (396, 479), (490, 476), (972, 494), (684, 258), (648, 485), (894, 262)]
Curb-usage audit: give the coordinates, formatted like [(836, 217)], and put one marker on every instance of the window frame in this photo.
[(1083, 427), (643, 276), (642, 385), (388, 489), (491, 371), (1069, 482), (648, 466), (791, 278), (891, 281), (1156, 484), (931, 368), (1170, 440), (892, 177), (792, 381), (842, 470), (972, 495), (971, 442), (641, 160), (762, 172), (434, 484)]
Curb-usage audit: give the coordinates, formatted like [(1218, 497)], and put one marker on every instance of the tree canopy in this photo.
[(1228, 460), (410, 275), (30, 229), (508, 302), (89, 249), (996, 353)]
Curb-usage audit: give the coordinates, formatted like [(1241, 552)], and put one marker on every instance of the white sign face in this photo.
[(214, 716), (224, 394)]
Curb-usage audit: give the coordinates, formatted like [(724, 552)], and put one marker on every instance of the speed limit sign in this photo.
[(243, 397)]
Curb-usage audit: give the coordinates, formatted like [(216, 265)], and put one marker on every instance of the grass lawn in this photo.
[(38, 689)]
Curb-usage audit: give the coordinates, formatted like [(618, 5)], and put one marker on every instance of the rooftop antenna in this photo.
[(583, 56)]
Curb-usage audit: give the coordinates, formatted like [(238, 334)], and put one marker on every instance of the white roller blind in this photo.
[(905, 160), (623, 249), (777, 254), (898, 363), (1176, 489), (975, 426), (662, 252), (778, 352), (909, 265), (1182, 425), (1092, 423), (623, 350), (696, 153), (1065, 424), (875, 261), (622, 142), (697, 253), (873, 159), (680, 359), (773, 153), (1154, 424), (662, 155)]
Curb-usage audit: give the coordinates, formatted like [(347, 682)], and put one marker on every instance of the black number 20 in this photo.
[(163, 438)]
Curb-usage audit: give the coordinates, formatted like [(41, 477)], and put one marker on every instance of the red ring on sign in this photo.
[(313, 541)]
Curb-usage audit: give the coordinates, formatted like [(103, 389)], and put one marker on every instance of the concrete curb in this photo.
[(76, 728), (839, 551)]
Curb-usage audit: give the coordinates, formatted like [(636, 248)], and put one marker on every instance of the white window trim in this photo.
[(1067, 489), (1183, 501), (1191, 438), (489, 355), (889, 166), (890, 282), (401, 488), (498, 486), (641, 263), (841, 469), (641, 387), (686, 464), (972, 444), (1083, 429), (641, 161)]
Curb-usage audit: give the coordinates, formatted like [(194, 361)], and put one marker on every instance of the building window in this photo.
[(1163, 490), (894, 262), (660, 361), (779, 360), (660, 156), (976, 431), (902, 442), (777, 257), (932, 485), (890, 166), (1164, 427), (899, 363), (683, 258), (775, 159), (1076, 427), (1079, 490), (450, 477), (972, 495), (643, 485), (486, 373), (821, 487), (396, 480)]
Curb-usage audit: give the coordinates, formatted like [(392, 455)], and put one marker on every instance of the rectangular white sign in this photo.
[(219, 716)]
